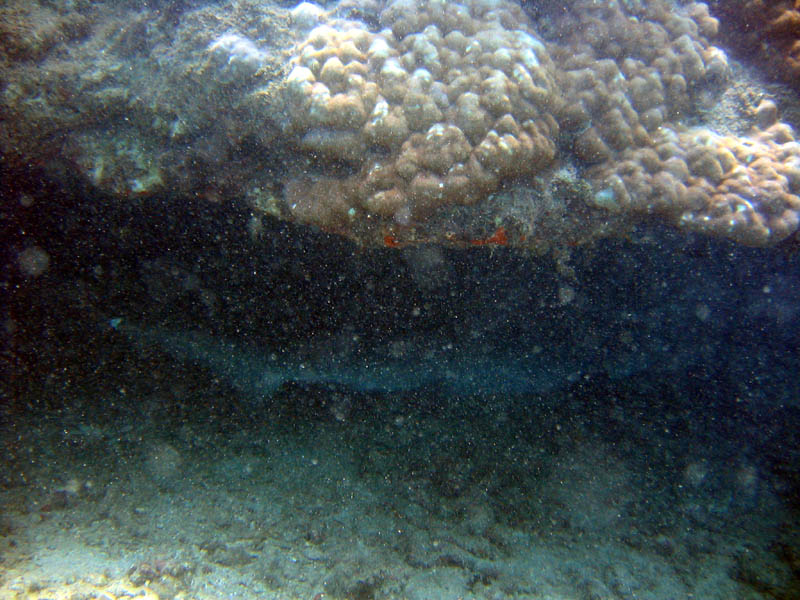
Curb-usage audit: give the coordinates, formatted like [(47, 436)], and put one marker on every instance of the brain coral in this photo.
[(736, 187), (411, 121), (630, 84), (769, 28), (445, 103), (435, 109)]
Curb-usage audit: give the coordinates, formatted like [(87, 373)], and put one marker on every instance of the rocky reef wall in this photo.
[(409, 122)]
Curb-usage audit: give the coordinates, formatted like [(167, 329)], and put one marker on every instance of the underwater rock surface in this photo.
[(402, 123)]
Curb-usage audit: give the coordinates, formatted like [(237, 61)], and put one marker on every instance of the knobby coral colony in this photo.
[(770, 28), (446, 102)]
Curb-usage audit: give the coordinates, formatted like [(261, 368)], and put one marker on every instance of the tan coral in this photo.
[(742, 188), (446, 102), (745, 189), (450, 102), (769, 29)]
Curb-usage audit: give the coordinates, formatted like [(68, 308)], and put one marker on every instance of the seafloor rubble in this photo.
[(347, 496), (406, 122)]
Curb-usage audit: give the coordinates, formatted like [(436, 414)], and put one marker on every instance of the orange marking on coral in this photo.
[(498, 238), (391, 242)]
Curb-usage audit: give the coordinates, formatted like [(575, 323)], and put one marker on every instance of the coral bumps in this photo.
[(435, 109), (768, 28), (443, 103), (409, 121), (637, 78)]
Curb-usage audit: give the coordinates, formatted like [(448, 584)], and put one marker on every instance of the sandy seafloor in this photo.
[(163, 485), (661, 462)]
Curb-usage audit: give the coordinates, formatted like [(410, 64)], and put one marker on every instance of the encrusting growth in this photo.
[(436, 109), (445, 103), (401, 122)]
